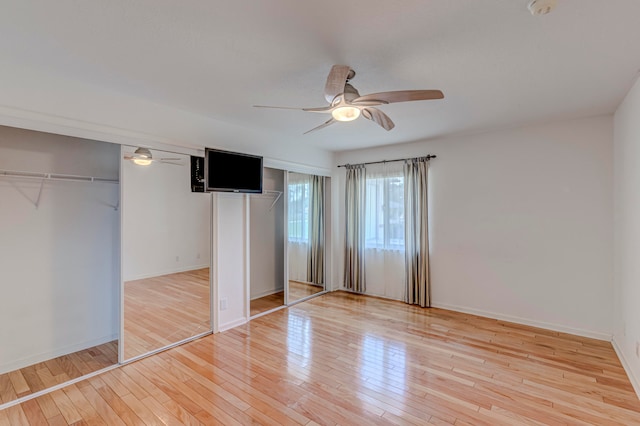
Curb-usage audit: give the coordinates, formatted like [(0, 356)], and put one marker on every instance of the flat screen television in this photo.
[(227, 171)]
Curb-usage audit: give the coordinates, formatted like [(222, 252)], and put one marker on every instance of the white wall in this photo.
[(166, 227), (267, 237), (231, 259), (520, 223), (627, 233), (59, 263)]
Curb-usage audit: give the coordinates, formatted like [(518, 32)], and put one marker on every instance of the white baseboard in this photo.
[(267, 293), (231, 324), (525, 321), (635, 381), (34, 359), (168, 272)]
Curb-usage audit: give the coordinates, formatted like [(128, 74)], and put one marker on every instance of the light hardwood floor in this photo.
[(43, 375), (266, 303), (162, 310), (297, 290), (356, 360)]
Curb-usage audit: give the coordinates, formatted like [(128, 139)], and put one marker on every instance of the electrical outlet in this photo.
[(198, 256), (638, 349), (223, 304), (177, 258)]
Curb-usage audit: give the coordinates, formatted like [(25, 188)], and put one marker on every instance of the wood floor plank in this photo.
[(351, 360), (34, 378)]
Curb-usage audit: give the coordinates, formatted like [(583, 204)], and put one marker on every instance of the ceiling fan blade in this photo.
[(366, 103), (400, 96), (323, 125), (336, 80), (378, 117), (277, 107), (318, 109)]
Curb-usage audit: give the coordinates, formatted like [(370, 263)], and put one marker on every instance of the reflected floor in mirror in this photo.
[(299, 290), (34, 378), (355, 360), (266, 303), (162, 310)]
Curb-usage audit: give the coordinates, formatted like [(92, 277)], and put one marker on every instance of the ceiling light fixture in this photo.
[(142, 157), (346, 113), (541, 7)]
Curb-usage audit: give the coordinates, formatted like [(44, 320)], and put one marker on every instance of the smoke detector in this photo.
[(541, 7)]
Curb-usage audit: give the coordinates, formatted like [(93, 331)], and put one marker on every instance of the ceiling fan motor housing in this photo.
[(541, 7)]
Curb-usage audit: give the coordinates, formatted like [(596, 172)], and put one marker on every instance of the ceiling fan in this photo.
[(143, 157), (346, 104)]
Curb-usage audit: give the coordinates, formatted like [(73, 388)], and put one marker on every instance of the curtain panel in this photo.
[(315, 253), (416, 232), (355, 202)]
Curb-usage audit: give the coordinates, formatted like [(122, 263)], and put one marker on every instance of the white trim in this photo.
[(232, 324), (524, 321), (215, 279), (261, 314), (49, 123), (56, 387), (635, 382), (246, 248), (304, 299), (167, 347), (289, 166), (168, 272), (45, 356)]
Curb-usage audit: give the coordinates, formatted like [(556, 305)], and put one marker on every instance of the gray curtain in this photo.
[(416, 232), (315, 254), (354, 278)]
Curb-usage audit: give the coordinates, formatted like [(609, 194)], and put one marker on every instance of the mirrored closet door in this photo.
[(166, 289), (267, 242), (306, 237)]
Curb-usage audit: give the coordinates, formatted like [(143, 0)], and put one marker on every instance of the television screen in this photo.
[(232, 172)]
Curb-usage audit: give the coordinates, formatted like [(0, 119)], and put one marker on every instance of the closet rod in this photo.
[(54, 176), (428, 157)]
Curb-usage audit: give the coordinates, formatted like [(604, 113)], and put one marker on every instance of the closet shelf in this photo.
[(54, 176), (268, 192)]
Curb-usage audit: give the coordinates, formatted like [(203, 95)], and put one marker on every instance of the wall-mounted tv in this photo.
[(232, 171)]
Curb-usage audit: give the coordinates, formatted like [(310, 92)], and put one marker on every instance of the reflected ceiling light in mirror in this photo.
[(142, 157)]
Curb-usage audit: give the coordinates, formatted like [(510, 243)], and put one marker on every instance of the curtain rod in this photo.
[(429, 157)]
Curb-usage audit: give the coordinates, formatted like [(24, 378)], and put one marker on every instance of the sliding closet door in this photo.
[(166, 244), (266, 240), (306, 235)]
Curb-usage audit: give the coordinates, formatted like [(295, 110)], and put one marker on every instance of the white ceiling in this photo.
[(497, 65)]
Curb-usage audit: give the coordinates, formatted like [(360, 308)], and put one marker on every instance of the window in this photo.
[(384, 211), (299, 211)]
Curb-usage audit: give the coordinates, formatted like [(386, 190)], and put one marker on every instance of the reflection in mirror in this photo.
[(58, 259), (306, 235), (266, 235), (165, 253)]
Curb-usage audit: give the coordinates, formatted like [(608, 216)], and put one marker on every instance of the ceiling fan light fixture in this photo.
[(346, 113), (141, 161), (142, 157)]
